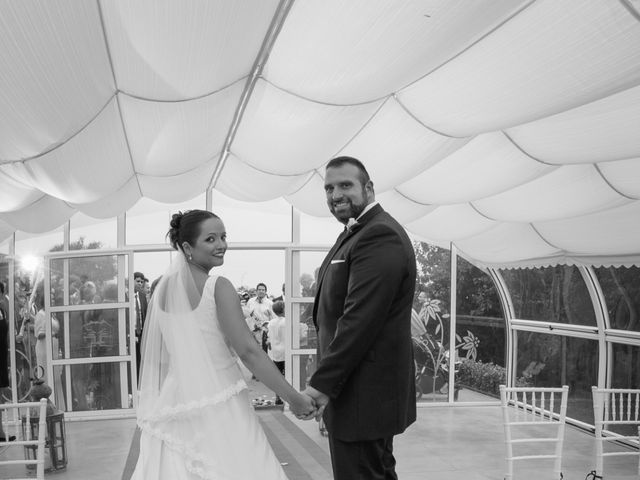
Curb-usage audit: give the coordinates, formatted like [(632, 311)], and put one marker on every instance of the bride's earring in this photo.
[(190, 257)]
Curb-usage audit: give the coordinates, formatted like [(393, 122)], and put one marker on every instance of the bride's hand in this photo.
[(302, 405)]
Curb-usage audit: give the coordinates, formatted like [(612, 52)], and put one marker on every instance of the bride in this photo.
[(194, 411)]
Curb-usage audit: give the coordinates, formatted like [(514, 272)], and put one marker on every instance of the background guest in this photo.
[(260, 308), (275, 339), (141, 313)]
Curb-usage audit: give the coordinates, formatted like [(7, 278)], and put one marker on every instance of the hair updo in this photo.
[(185, 226)]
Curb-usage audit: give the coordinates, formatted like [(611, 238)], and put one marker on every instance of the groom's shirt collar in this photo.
[(366, 209)]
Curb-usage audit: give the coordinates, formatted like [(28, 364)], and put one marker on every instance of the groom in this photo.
[(362, 313)]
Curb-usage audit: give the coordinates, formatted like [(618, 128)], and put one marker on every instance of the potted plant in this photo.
[(431, 352)]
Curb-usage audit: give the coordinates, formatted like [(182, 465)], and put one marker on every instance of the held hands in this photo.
[(321, 400), (303, 406)]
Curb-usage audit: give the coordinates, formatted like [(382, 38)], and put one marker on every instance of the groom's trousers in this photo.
[(363, 460)]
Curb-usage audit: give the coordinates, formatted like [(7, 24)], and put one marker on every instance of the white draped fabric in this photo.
[(508, 127)]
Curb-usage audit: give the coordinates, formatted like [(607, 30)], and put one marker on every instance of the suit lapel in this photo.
[(336, 246), (330, 255), (376, 209)]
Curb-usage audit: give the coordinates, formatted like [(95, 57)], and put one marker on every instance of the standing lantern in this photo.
[(55, 446)]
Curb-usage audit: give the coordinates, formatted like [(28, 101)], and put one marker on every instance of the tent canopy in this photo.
[(508, 127)]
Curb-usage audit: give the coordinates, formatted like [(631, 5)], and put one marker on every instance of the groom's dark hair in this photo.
[(340, 161)]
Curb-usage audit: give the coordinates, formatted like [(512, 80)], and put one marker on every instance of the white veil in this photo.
[(183, 376), (172, 304)]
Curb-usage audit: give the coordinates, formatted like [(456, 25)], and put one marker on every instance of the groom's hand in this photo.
[(321, 402)]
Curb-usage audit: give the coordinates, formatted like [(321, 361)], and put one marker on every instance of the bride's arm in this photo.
[(243, 342)]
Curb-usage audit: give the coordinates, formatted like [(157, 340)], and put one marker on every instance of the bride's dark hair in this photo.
[(185, 226)]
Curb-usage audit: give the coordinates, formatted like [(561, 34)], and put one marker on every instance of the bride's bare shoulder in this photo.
[(224, 287)]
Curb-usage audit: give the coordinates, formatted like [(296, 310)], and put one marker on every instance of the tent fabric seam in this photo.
[(64, 142), (484, 215), (631, 9), (431, 129), (411, 199), (471, 45), (515, 144), (320, 102), (275, 27), (545, 240), (126, 139), (610, 185), (266, 172), (362, 127), (106, 45), (184, 100)]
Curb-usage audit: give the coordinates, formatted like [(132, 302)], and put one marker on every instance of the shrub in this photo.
[(485, 377)]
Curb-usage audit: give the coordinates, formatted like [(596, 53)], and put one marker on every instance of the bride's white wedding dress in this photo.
[(196, 418)]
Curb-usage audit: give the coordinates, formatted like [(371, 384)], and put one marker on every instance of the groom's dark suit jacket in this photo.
[(362, 313)]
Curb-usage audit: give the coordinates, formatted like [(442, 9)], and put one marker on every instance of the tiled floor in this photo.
[(459, 443)]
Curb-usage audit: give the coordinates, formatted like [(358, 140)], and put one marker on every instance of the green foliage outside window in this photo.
[(485, 377)]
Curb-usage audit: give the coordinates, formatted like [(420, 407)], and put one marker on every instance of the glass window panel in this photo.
[(88, 232), (38, 243), (433, 275), (253, 221), (304, 367), (96, 386), (431, 322), (431, 365), (30, 249), (25, 360), (303, 332), (308, 264), (26, 341), (480, 332), (246, 268), (6, 323), (96, 333), (147, 222), (554, 294), (4, 246), (479, 315), (60, 324), (57, 385), (552, 361), (319, 230), (152, 264), (625, 374), (621, 289), (6, 320), (4, 278), (95, 276)]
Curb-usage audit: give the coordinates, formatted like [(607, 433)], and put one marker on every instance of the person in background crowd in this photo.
[(281, 297), (260, 310), (141, 313), (307, 285), (275, 339), (147, 289), (244, 299)]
